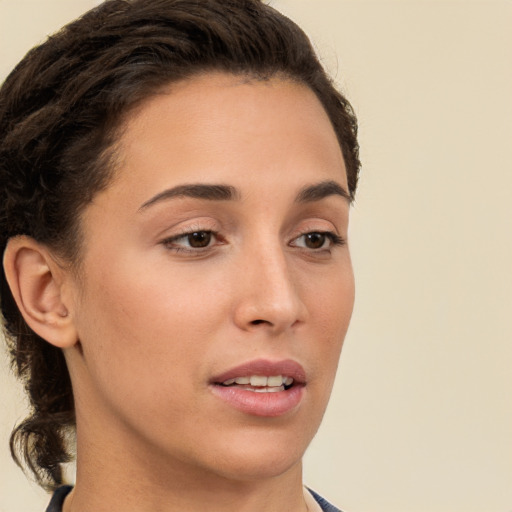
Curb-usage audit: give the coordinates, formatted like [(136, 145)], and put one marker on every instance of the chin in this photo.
[(248, 468), (260, 455)]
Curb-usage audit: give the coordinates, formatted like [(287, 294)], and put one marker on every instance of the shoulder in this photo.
[(324, 504), (58, 498)]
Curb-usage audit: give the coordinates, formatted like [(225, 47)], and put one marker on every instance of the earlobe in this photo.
[(37, 284)]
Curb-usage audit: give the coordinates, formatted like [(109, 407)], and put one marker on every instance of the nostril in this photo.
[(257, 322)]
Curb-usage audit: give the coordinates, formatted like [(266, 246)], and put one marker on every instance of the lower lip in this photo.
[(260, 404)]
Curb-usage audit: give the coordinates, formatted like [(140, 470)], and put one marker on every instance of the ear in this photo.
[(38, 285)]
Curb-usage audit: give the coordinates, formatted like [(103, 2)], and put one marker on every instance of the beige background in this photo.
[(421, 416)]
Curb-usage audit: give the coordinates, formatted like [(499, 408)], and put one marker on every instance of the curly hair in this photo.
[(60, 110)]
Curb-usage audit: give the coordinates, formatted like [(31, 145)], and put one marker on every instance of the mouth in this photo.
[(262, 387), (260, 383)]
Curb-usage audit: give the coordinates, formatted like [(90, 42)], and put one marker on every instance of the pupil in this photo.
[(315, 240), (200, 239)]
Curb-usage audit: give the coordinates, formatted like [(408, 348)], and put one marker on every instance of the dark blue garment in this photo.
[(324, 504), (58, 498), (60, 494)]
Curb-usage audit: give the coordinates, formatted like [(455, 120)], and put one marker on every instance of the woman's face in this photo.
[(218, 252)]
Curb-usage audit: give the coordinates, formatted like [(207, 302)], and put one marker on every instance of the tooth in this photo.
[(243, 380), (228, 382), (276, 380), (275, 389), (258, 380), (288, 381)]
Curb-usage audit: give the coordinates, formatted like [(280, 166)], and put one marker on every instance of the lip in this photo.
[(262, 404), (265, 367)]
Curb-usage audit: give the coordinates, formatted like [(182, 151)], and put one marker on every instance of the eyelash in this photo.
[(335, 240), (169, 243)]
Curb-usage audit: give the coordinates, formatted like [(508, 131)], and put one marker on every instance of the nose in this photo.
[(268, 295)]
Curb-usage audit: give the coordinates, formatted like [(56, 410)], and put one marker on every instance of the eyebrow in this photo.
[(308, 194), (322, 190), (196, 191)]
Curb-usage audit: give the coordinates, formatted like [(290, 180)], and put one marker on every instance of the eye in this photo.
[(317, 240), (195, 240), (199, 239)]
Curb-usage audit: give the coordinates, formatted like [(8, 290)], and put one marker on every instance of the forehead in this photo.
[(221, 128), (214, 119)]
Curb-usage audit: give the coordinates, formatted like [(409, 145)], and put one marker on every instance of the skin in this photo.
[(154, 319)]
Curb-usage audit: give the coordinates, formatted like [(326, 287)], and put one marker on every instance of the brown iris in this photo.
[(199, 239), (314, 240)]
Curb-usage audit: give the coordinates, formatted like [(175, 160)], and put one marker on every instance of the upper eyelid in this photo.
[(184, 234), (296, 233), (227, 227), (332, 234), (318, 225), (183, 230), (218, 235)]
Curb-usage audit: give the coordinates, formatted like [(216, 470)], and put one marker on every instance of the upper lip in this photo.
[(264, 367)]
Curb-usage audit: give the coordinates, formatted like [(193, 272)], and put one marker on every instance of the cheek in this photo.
[(146, 318), (330, 308), (137, 359), (330, 299)]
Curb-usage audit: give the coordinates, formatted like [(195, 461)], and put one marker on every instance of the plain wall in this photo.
[(421, 415)]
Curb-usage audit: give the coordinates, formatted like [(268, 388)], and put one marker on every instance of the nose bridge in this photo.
[(270, 294)]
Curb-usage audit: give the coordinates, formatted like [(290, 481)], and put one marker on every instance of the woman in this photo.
[(176, 286)]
